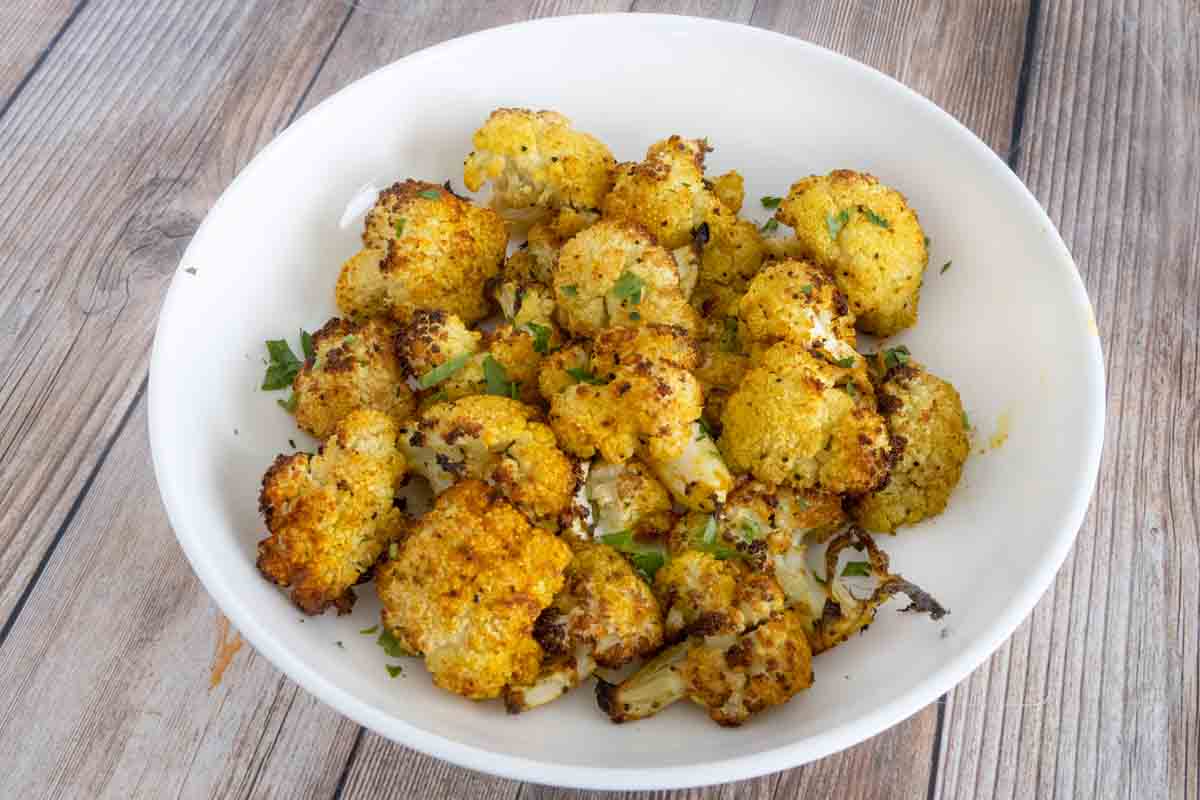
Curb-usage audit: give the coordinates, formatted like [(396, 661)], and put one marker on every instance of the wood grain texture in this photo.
[(108, 671), (109, 158), (1097, 694), (29, 29)]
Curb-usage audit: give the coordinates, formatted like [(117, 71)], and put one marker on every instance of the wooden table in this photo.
[(121, 122)]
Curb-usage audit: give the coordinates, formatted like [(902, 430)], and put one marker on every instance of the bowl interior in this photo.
[(1009, 324)]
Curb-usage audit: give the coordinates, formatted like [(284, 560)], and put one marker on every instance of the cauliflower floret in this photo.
[(605, 615), (731, 676), (867, 237), (782, 247), (829, 607), (614, 274), (537, 161), (536, 258), (730, 189), (465, 589), (495, 439), (720, 372), (798, 419), (666, 193), (622, 495), (425, 247), (797, 302), (331, 515), (702, 595), (563, 368), (731, 254), (354, 366), (449, 362), (925, 418)]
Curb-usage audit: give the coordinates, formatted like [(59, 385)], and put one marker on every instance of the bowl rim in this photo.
[(161, 417)]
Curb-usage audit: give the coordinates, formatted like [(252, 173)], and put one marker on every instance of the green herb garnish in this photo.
[(706, 541), (770, 225), (966, 420), (729, 336), (391, 645), (635, 316), (807, 289), (874, 218), (844, 363), (306, 344), (443, 371), (860, 569), (393, 550), (369, 631), (895, 357), (583, 375), (628, 288), (835, 223), (705, 431), (394, 669), (399, 227), (440, 396), (647, 559), (497, 380), (945, 267), (850, 389), (769, 201), (282, 367), (288, 405), (927, 242), (541, 337), (429, 194), (570, 290)]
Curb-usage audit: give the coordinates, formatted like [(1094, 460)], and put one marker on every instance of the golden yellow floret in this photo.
[(354, 367), (613, 273), (733, 254), (330, 516), (701, 595), (536, 160), (496, 439), (424, 248), (925, 418), (798, 419), (430, 339), (795, 301), (758, 519), (730, 189), (465, 589), (866, 236)]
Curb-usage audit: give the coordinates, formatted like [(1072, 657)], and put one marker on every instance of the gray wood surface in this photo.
[(120, 124)]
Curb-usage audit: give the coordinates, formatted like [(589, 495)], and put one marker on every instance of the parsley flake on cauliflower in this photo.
[(466, 587), (331, 515)]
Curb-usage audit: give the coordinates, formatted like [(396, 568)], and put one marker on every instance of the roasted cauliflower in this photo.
[(800, 420), (424, 247), (536, 258), (795, 301), (494, 439), (867, 237), (613, 273), (604, 615), (702, 595), (928, 429), (624, 495), (354, 366), (331, 515), (537, 162), (466, 587)]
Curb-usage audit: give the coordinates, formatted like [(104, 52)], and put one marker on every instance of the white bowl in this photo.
[(1009, 324)]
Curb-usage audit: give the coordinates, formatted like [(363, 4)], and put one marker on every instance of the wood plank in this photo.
[(28, 29), (109, 671), (1098, 693), (135, 122)]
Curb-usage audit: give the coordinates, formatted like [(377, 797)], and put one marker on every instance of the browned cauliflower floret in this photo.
[(614, 274), (798, 419), (449, 362), (354, 366), (840, 597), (720, 371), (701, 595), (928, 428), (495, 439), (730, 189), (666, 193), (867, 237), (536, 161), (605, 615), (638, 396), (465, 589), (731, 676), (622, 495), (331, 515), (425, 247), (536, 258), (563, 368), (732, 254), (795, 301)]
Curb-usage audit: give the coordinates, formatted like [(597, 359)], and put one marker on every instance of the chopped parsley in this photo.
[(441, 395), (835, 223), (647, 559), (283, 365), (288, 405), (729, 336), (859, 569), (429, 194), (393, 550), (399, 227), (570, 290), (850, 389), (369, 631), (583, 375), (391, 645), (443, 371), (895, 357), (541, 337), (306, 344), (349, 340), (927, 242), (946, 266), (770, 225), (394, 669), (497, 379), (966, 420), (769, 201), (191, 270), (807, 289), (751, 530), (635, 316), (844, 363), (628, 288), (875, 219), (705, 431), (705, 540)]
